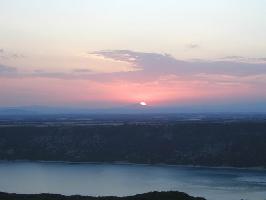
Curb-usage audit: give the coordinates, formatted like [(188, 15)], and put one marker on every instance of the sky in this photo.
[(111, 53)]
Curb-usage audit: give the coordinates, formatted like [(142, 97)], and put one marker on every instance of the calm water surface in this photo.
[(121, 180)]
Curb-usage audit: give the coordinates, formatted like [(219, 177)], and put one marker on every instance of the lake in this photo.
[(127, 179)]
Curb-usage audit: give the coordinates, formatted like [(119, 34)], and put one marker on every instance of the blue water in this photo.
[(121, 180)]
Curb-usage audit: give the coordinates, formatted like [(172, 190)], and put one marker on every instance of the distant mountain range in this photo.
[(260, 107), (39, 110)]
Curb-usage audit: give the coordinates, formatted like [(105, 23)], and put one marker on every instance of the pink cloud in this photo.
[(160, 80)]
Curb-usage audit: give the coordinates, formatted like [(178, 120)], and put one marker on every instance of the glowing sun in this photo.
[(142, 103)]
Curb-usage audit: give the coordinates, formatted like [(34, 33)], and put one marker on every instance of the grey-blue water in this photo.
[(121, 180)]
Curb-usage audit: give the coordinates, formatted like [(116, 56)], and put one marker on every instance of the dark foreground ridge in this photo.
[(237, 144), (146, 196)]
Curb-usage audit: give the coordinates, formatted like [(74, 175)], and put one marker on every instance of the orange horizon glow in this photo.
[(102, 54), (49, 91)]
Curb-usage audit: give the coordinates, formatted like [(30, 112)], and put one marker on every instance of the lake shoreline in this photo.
[(258, 168), (126, 179)]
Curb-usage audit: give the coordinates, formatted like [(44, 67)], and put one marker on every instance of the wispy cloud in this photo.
[(82, 70), (151, 66), (154, 63), (9, 55), (193, 46), (244, 59), (158, 78), (7, 70)]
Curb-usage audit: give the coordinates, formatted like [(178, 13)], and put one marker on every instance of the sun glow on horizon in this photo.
[(142, 103)]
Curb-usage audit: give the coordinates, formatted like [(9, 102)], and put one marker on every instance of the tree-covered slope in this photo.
[(241, 144), (146, 196)]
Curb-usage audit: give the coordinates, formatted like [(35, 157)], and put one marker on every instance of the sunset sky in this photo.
[(109, 53)]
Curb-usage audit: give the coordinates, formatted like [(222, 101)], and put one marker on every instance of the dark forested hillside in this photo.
[(241, 144), (146, 196)]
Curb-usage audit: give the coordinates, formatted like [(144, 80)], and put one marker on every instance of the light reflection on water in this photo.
[(121, 180)]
